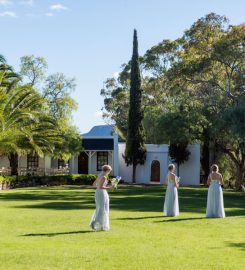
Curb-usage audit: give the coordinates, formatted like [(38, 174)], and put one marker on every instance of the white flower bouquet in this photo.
[(115, 181)]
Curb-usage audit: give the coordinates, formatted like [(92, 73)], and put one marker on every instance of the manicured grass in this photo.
[(47, 228)]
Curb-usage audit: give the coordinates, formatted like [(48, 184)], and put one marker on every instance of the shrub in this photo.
[(51, 180)]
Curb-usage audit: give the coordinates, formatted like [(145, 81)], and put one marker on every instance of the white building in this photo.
[(100, 146), (155, 167)]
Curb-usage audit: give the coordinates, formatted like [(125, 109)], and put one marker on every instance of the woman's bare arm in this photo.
[(175, 182), (95, 182), (221, 180), (209, 180), (102, 184)]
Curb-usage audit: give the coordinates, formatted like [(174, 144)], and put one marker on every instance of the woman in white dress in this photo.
[(171, 203), (100, 218), (215, 203)]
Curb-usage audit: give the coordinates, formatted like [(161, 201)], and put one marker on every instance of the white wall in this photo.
[(189, 171), (143, 172)]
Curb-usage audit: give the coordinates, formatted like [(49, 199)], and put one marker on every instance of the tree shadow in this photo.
[(60, 205), (237, 245), (57, 233), (181, 219), (126, 198), (46, 194), (138, 218)]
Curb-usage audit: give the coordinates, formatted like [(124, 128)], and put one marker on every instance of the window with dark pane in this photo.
[(102, 159), (62, 163), (32, 161)]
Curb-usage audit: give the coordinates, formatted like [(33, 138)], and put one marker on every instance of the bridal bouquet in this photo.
[(178, 179), (115, 181)]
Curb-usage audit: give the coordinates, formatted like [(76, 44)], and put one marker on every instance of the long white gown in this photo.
[(100, 217), (171, 203), (215, 203)]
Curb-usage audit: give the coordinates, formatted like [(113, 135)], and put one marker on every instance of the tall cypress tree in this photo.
[(135, 152)]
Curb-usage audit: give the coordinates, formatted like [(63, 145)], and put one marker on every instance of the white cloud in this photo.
[(10, 14), (49, 14), (5, 2), (29, 3), (58, 7)]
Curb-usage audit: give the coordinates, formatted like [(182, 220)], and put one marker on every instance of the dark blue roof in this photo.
[(100, 131), (98, 144)]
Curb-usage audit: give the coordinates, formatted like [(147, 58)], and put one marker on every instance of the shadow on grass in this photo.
[(126, 198), (138, 218), (63, 206), (237, 245), (181, 219), (57, 233)]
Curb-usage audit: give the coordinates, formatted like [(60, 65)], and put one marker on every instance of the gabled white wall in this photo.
[(189, 171), (143, 172)]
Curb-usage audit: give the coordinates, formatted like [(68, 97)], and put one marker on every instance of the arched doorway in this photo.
[(155, 171)]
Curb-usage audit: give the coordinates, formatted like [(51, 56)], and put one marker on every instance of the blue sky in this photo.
[(90, 39)]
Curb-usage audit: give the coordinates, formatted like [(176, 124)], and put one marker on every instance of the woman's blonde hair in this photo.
[(171, 167), (106, 168), (215, 168)]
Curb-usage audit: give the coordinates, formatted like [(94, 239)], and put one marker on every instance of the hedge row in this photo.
[(54, 180)]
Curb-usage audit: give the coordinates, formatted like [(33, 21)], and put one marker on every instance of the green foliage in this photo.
[(179, 153), (135, 152), (53, 180), (56, 91), (32, 121), (193, 90), (33, 69), (116, 104)]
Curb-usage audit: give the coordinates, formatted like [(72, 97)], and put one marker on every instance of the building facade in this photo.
[(100, 146)]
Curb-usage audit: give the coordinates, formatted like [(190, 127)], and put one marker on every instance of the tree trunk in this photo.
[(205, 160), (178, 165), (13, 160), (212, 157), (239, 180), (134, 173)]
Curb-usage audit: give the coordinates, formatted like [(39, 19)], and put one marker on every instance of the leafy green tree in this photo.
[(230, 138), (56, 90), (33, 69), (135, 152), (24, 125), (116, 104), (27, 124), (189, 87), (179, 154)]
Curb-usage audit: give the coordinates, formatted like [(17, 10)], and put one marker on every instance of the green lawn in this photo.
[(47, 228)]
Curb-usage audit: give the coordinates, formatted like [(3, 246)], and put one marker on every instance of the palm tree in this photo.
[(25, 125)]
